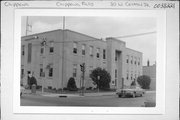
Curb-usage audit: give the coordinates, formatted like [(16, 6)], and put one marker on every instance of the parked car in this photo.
[(133, 91), (22, 90)]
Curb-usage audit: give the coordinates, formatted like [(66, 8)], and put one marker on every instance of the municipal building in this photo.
[(55, 56)]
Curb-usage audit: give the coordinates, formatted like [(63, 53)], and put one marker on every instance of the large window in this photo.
[(75, 48), (51, 49), (75, 70), (50, 70), (98, 53), (83, 49), (91, 50), (104, 54)]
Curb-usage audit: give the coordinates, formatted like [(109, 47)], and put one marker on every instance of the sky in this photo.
[(102, 27)]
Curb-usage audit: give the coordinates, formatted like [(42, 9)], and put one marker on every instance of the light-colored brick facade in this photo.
[(62, 59)]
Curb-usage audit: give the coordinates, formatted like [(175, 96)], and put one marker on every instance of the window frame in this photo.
[(75, 48)]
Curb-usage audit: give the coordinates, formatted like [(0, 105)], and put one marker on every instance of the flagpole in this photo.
[(27, 20), (63, 52)]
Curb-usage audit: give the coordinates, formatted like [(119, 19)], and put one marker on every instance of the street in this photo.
[(101, 101)]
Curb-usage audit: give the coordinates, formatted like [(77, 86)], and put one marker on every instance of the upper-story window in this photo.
[(104, 54), (116, 57), (91, 50), (51, 49), (138, 61), (23, 49), (135, 60), (83, 49), (42, 50), (127, 59), (98, 52), (75, 48), (131, 59)]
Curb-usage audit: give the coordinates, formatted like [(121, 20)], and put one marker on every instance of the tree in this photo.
[(144, 81), (71, 85), (104, 78)]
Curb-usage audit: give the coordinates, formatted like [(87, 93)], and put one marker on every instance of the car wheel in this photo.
[(21, 94), (119, 96)]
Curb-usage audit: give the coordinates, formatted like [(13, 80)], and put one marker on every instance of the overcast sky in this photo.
[(102, 27)]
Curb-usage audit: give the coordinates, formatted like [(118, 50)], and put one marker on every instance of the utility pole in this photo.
[(83, 75), (63, 52), (44, 62)]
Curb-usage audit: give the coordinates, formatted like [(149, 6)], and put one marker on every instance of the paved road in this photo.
[(106, 101)]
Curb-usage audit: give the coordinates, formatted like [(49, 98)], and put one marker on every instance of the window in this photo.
[(115, 77), (131, 75), (23, 50), (41, 71), (104, 54), (139, 61), (75, 48), (83, 49), (116, 57), (90, 70), (127, 77), (135, 60), (51, 49), (29, 52), (22, 73), (91, 50), (131, 59), (42, 50), (98, 52), (75, 70), (127, 59), (115, 73), (50, 70)]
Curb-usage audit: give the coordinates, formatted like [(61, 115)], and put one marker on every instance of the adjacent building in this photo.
[(150, 70), (55, 56)]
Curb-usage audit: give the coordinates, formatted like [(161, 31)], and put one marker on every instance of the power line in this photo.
[(134, 35)]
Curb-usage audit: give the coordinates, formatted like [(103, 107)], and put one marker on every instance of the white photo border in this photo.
[(160, 70)]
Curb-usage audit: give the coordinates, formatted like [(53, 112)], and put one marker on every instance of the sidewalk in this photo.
[(48, 94)]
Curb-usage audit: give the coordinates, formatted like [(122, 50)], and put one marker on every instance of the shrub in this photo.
[(71, 85), (144, 81), (104, 78)]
